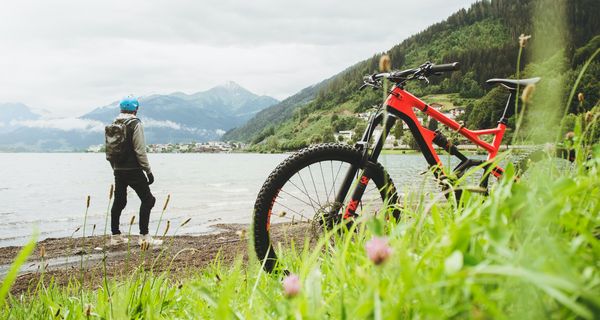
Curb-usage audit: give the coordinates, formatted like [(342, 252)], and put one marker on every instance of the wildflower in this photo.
[(282, 214), (167, 202), (385, 63), (523, 40), (132, 220), (378, 250), (291, 286), (78, 228), (42, 252), (528, 93), (110, 193), (87, 205), (580, 97)]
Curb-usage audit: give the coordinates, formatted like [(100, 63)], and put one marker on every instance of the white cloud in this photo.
[(72, 56), (65, 124), (149, 123), (152, 123), (220, 132)]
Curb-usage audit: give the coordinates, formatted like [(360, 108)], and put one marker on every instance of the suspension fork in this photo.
[(368, 162)]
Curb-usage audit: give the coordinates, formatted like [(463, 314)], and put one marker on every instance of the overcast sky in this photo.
[(68, 56)]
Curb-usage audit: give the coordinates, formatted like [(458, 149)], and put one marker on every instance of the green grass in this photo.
[(528, 251)]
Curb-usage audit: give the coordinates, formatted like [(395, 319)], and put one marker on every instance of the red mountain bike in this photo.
[(329, 183)]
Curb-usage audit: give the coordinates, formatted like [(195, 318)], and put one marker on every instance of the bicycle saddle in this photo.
[(512, 84)]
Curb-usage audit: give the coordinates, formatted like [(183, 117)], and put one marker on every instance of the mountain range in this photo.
[(171, 118), (484, 38)]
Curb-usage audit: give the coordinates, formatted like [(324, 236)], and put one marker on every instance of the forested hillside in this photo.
[(483, 38)]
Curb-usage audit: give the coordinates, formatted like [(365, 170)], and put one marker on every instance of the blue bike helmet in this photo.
[(129, 103)]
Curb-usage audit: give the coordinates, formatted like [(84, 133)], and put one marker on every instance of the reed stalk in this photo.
[(131, 222), (525, 98), (104, 272), (522, 43), (162, 213), (110, 196), (87, 208)]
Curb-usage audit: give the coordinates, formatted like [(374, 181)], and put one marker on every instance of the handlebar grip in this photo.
[(447, 67)]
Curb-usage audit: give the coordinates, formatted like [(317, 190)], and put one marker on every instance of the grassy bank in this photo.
[(529, 250)]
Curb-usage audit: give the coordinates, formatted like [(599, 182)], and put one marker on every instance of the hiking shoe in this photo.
[(117, 239), (146, 238)]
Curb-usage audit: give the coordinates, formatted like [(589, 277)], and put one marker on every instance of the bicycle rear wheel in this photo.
[(301, 192)]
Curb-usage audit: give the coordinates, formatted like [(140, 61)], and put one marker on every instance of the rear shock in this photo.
[(443, 142)]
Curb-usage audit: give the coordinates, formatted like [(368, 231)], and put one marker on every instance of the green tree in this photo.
[(272, 143), (327, 135), (399, 130), (411, 142), (316, 138), (359, 129)]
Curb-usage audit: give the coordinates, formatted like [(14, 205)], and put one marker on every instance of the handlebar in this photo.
[(420, 73), (448, 67)]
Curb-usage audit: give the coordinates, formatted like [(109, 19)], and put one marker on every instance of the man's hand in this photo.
[(150, 178)]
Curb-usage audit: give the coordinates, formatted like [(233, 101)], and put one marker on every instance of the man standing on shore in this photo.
[(126, 152)]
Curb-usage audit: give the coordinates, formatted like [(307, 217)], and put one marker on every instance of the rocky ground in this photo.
[(65, 259)]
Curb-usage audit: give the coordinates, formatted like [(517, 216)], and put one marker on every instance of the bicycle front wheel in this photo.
[(302, 190)]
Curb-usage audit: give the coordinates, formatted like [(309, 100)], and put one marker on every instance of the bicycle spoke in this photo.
[(296, 197), (314, 186), (305, 192), (323, 179), (332, 179), (296, 212)]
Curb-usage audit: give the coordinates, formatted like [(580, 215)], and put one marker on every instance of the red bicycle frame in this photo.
[(403, 102)]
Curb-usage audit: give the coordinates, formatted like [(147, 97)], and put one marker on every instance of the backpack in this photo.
[(116, 141)]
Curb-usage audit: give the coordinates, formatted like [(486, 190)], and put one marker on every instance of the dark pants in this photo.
[(136, 179)]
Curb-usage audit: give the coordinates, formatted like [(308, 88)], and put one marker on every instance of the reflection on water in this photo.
[(46, 192)]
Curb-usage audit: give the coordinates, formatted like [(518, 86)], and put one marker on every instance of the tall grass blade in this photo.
[(21, 258)]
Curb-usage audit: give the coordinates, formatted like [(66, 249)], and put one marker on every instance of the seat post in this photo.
[(510, 104)]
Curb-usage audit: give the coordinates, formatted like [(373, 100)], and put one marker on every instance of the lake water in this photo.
[(46, 192)]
